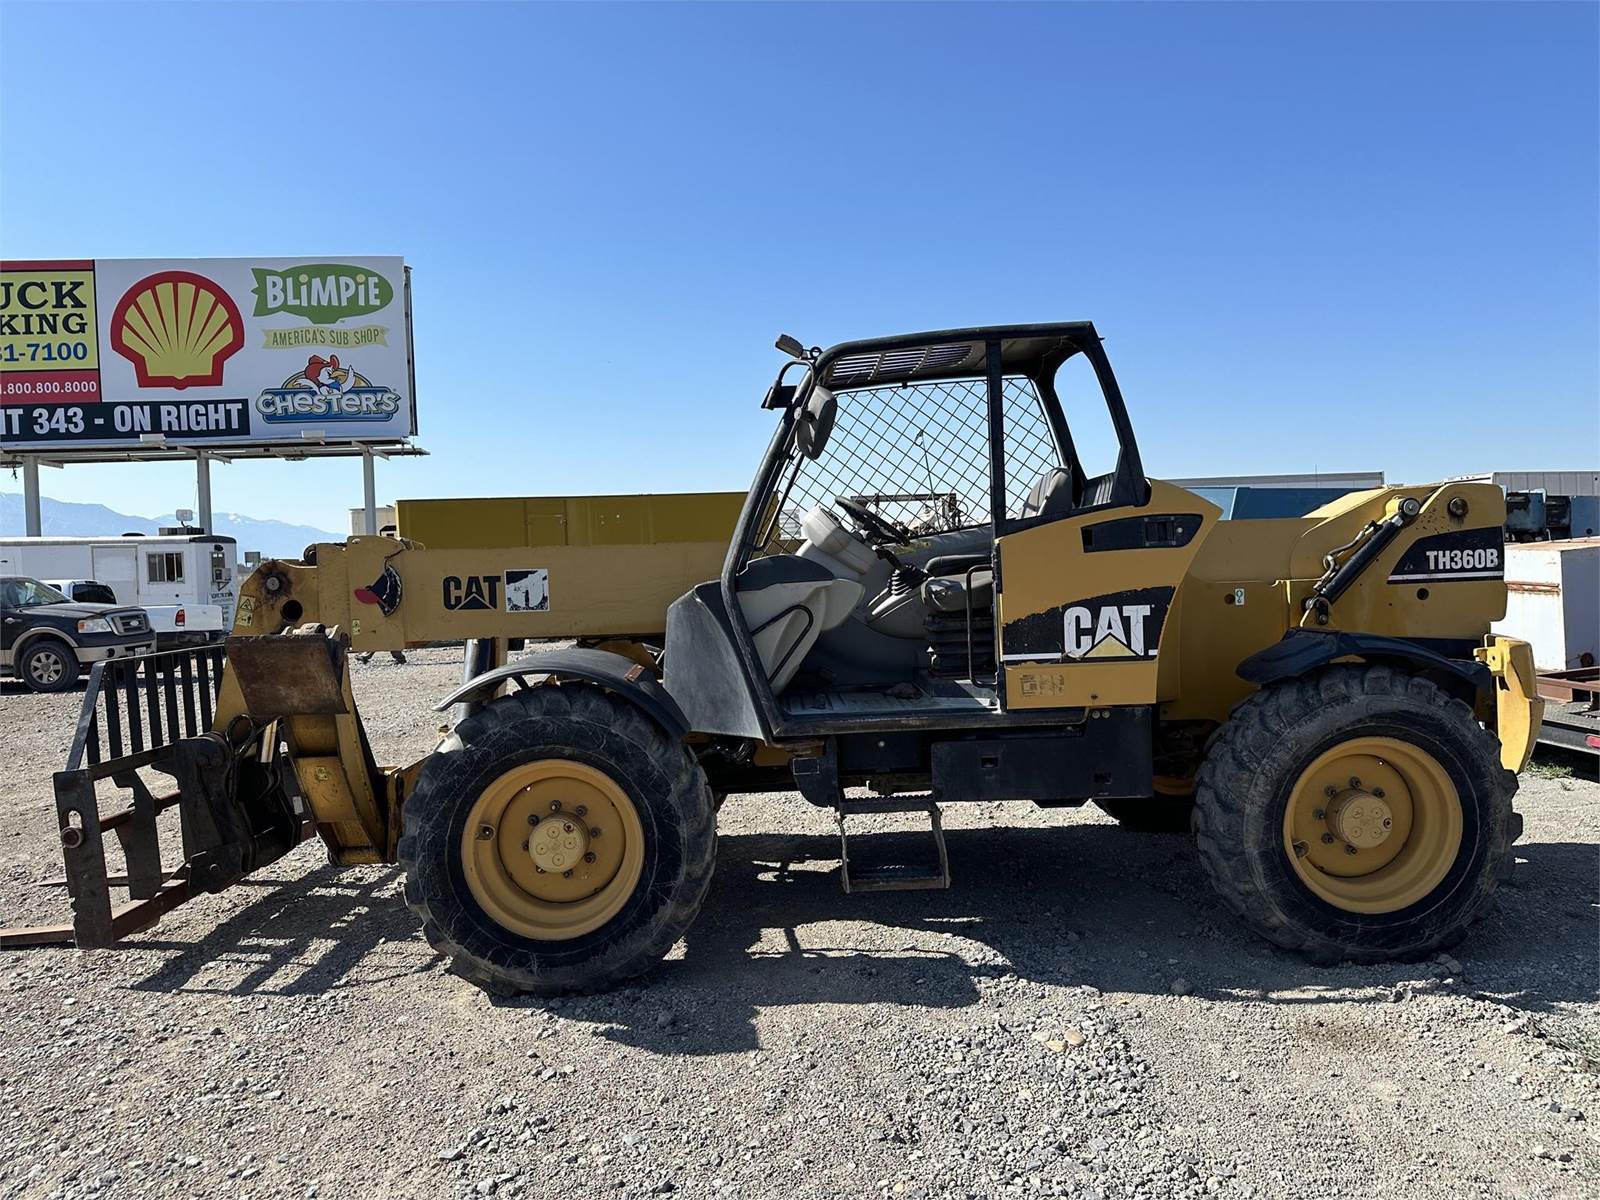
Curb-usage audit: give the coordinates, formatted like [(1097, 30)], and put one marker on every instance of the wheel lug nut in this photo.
[(566, 874), (581, 810), (1355, 782), (1349, 849), (533, 818), (1330, 791), (589, 857), (594, 831), (485, 832), (1319, 813), (1327, 839), (1378, 792)]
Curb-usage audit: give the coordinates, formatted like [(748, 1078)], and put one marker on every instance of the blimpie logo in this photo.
[(320, 292)]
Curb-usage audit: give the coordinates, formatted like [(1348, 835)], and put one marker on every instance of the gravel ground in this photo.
[(1077, 1016)]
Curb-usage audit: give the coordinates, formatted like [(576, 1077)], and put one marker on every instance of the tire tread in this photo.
[(1264, 721), (584, 717)]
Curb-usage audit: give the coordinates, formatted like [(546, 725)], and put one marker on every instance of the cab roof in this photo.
[(1031, 350)]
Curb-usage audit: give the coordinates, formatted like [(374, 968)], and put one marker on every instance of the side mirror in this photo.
[(815, 422)]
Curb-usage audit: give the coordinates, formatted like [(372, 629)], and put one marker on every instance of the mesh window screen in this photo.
[(919, 454)]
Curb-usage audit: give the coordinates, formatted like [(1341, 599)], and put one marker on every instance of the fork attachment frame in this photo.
[(237, 812)]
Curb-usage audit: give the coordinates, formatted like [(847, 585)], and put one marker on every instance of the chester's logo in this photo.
[(1107, 631), (327, 391)]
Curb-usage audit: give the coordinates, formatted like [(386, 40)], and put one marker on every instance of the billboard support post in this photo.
[(30, 496), (202, 488), (369, 492)]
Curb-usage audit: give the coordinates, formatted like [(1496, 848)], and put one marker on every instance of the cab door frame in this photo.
[(1096, 584), (1128, 486)]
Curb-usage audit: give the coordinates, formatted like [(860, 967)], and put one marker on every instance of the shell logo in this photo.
[(177, 329)]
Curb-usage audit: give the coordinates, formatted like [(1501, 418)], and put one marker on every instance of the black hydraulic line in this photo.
[(1373, 541)]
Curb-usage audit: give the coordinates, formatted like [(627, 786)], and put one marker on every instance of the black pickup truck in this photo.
[(46, 639)]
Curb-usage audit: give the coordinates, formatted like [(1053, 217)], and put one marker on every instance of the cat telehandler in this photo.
[(939, 589)]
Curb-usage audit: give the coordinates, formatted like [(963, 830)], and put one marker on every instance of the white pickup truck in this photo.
[(173, 624), (184, 580)]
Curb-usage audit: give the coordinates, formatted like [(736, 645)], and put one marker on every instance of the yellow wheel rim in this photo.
[(552, 849), (1373, 825)]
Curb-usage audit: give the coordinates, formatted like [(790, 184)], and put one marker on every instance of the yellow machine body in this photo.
[(538, 521), (1236, 588), (996, 622)]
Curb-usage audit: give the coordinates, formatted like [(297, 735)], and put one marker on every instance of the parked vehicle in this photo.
[(173, 624), (47, 639), (160, 573)]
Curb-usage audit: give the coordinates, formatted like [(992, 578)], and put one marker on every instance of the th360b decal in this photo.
[(1464, 554), (1115, 627)]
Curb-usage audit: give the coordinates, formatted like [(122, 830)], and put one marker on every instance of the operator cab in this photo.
[(862, 580)]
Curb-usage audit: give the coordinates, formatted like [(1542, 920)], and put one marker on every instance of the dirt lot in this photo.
[(1077, 1016)]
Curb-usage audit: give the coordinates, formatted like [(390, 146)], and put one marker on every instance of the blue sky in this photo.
[(1314, 236)]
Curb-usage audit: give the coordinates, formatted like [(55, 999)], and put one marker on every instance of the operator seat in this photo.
[(945, 590), (828, 542), (1050, 496), (788, 602)]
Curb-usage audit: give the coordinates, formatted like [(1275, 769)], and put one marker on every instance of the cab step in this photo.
[(882, 876)]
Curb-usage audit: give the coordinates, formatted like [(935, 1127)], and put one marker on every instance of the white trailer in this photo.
[(1553, 601), (159, 573)]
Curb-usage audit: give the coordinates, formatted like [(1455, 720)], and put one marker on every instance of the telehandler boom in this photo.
[(930, 595)]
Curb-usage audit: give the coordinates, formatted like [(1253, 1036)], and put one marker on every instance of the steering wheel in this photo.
[(871, 524)]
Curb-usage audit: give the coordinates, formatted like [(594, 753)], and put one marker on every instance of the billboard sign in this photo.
[(204, 352)]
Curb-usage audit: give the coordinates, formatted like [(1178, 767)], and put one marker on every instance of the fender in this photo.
[(38, 631), (1304, 650), (602, 668)]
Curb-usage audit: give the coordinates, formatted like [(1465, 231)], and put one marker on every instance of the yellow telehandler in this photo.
[(932, 594)]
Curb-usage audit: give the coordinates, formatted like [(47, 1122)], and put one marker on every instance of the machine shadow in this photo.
[(1087, 906), (304, 936)]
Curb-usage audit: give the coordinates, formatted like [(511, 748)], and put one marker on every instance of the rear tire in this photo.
[(478, 900), (1411, 845), (48, 665)]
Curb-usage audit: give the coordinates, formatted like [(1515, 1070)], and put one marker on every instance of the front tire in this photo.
[(1359, 813), (557, 841), (48, 665)]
